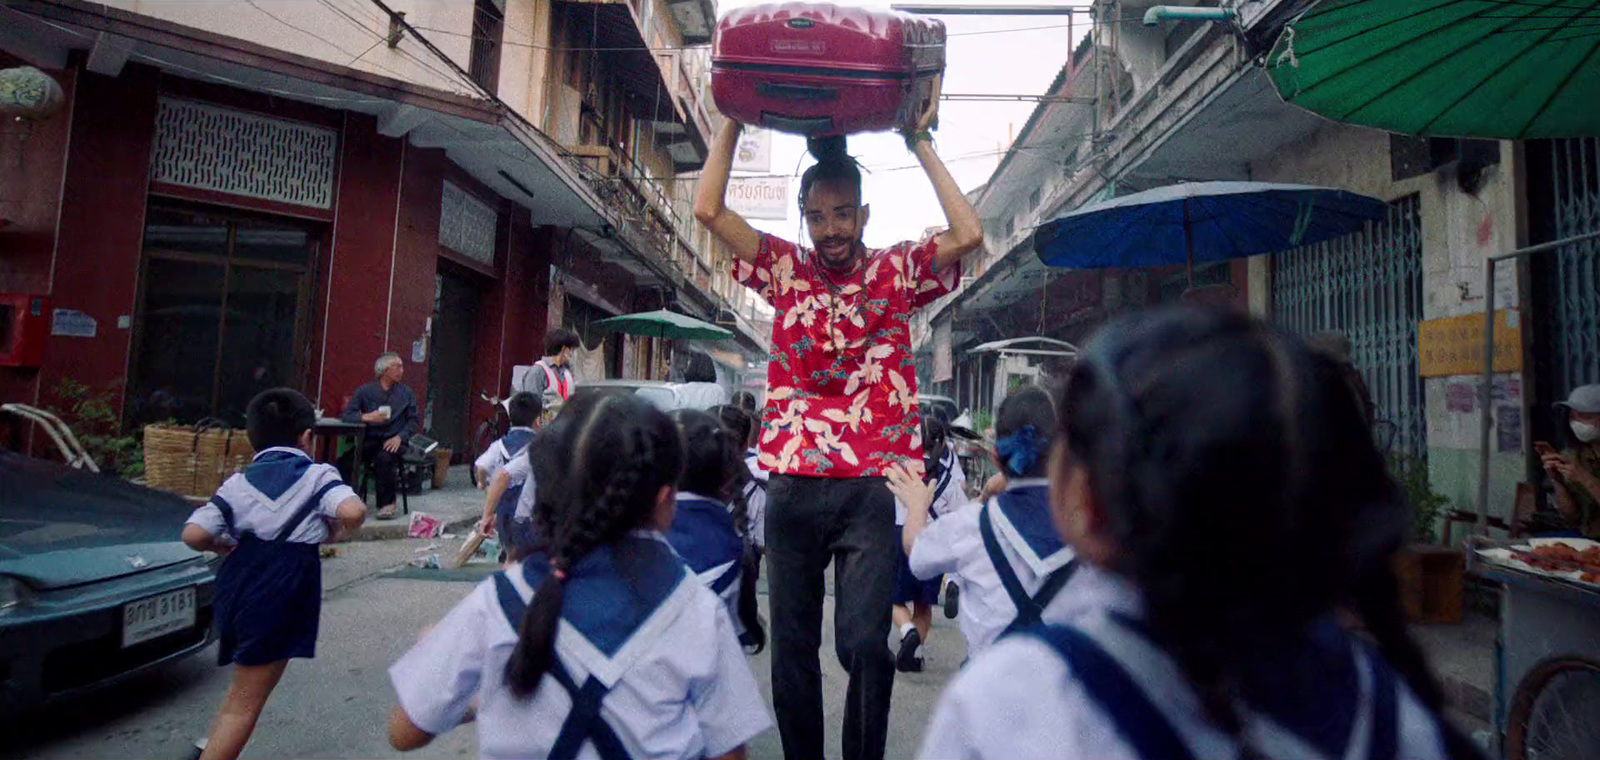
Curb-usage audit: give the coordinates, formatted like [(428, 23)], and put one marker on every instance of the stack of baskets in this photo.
[(193, 460)]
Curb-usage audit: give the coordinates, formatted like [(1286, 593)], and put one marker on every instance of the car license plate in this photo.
[(157, 616)]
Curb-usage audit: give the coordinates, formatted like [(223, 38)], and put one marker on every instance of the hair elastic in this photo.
[(1021, 450)]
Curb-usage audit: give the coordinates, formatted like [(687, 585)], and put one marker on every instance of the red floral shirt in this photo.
[(841, 387)]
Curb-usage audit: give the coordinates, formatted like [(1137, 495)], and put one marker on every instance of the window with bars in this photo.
[(488, 32)]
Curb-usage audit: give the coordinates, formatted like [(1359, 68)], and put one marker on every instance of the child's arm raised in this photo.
[(916, 495)]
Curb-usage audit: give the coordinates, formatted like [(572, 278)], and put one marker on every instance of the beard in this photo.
[(837, 253)]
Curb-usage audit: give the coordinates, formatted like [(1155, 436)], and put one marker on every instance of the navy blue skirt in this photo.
[(268, 603), (909, 588)]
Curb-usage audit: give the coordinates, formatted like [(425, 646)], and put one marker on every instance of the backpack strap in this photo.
[(584, 723), (306, 509), (1030, 608), (1135, 717)]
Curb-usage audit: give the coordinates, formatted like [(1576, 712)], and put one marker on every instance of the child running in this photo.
[(1011, 561), (267, 522), (705, 532), (1225, 499), (914, 597), (601, 644), (743, 426), (524, 409)]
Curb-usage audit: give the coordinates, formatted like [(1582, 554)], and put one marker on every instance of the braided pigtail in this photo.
[(623, 452)]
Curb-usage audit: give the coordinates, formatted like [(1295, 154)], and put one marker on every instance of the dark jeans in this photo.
[(385, 469), (811, 521)]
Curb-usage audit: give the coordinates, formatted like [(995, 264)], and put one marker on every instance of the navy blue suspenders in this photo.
[(1030, 609), (1147, 730), (288, 528), (584, 723)]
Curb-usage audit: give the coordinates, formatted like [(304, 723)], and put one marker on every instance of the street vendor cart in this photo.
[(1547, 689)]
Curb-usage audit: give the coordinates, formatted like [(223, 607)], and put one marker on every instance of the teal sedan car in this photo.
[(94, 584)]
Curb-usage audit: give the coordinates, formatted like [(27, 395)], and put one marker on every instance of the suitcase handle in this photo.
[(797, 92), (796, 126)]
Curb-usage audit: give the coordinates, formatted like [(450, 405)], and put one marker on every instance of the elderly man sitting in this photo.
[(389, 410)]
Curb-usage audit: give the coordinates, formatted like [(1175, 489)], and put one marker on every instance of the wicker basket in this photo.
[(193, 460)]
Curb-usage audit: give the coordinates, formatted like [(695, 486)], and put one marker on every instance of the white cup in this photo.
[(385, 411)]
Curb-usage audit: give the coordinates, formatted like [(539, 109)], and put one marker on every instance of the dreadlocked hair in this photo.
[(834, 164), (714, 466), (600, 470), (1244, 495)]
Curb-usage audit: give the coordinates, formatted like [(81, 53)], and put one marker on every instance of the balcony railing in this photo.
[(650, 219)]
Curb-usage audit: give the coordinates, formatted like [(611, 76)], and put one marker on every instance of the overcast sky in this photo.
[(984, 54)]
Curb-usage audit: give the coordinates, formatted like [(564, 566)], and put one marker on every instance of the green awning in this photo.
[(663, 324), (1449, 68)]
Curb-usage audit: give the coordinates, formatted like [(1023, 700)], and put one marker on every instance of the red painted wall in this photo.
[(102, 223), (355, 277), (30, 203), (416, 259), (515, 311)]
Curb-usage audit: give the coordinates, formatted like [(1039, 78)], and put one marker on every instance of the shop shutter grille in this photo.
[(1369, 286)]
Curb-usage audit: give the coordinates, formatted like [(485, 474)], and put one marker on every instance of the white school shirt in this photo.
[(756, 501), (266, 495), (954, 496), (496, 456), (680, 686), (1021, 699), (519, 472), (954, 544)]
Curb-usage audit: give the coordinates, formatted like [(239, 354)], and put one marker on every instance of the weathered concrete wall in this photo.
[(1459, 231)]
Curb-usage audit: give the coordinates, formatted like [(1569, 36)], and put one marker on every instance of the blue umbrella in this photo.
[(1201, 222)]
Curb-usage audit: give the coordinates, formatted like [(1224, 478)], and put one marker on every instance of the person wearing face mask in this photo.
[(1576, 473)]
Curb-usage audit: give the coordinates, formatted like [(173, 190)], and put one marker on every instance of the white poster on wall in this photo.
[(943, 364), (754, 153), (759, 197)]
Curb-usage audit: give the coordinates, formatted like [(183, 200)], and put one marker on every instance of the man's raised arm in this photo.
[(727, 225), (966, 231)]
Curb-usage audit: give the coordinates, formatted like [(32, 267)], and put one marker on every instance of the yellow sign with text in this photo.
[(1454, 346)]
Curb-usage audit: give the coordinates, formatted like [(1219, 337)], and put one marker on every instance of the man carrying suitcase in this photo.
[(841, 405)]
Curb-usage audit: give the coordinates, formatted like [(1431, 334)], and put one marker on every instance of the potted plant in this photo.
[(1431, 576)]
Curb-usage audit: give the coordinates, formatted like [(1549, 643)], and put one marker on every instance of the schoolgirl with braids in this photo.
[(601, 643), (1011, 562), (1225, 499), (709, 536)]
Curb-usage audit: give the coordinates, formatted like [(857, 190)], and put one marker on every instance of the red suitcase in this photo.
[(818, 69)]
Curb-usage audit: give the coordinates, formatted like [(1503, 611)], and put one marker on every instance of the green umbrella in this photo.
[(664, 324), (1503, 69)]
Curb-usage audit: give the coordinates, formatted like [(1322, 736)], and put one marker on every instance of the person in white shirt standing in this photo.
[(551, 377)]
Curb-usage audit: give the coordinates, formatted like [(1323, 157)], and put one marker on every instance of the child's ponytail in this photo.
[(623, 452)]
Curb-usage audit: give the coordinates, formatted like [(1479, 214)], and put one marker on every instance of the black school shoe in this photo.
[(908, 661), (952, 600)]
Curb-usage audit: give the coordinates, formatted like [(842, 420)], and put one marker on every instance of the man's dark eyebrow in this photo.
[(846, 207)]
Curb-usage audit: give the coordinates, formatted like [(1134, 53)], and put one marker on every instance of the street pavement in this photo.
[(335, 705)]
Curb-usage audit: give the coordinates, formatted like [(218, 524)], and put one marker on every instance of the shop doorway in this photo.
[(223, 306), (456, 299)]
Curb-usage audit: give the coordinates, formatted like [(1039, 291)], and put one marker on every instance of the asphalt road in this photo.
[(335, 706)]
